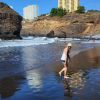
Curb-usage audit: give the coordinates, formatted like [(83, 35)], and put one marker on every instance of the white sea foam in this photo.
[(28, 38), (96, 37), (91, 41), (70, 39), (29, 41), (26, 41), (66, 39)]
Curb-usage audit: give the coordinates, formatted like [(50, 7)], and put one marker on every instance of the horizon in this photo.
[(91, 5)]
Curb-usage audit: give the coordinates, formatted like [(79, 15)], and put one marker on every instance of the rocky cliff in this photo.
[(70, 25), (10, 22)]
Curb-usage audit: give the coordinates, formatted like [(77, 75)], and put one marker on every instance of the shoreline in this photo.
[(89, 37), (35, 41), (74, 53)]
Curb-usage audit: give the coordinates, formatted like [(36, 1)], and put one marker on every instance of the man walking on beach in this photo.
[(65, 59)]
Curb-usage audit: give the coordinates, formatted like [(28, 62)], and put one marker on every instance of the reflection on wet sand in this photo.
[(76, 80), (34, 79), (79, 70), (9, 85), (67, 88), (86, 60), (41, 82)]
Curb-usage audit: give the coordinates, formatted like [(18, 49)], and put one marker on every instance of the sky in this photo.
[(46, 5)]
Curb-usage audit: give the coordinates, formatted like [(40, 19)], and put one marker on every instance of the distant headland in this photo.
[(70, 25)]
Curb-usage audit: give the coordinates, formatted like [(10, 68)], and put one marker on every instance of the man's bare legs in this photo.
[(64, 70)]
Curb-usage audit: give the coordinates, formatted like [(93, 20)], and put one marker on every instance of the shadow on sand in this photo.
[(67, 88)]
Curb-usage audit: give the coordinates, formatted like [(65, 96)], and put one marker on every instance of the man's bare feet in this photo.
[(60, 73), (66, 77)]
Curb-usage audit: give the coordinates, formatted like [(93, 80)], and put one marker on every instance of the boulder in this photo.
[(50, 34), (10, 22)]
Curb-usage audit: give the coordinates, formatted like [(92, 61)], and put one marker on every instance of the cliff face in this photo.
[(10, 22), (69, 25)]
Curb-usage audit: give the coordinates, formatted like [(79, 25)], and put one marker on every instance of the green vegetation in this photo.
[(58, 12), (93, 11), (81, 9)]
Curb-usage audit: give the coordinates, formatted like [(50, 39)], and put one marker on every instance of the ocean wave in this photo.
[(26, 41)]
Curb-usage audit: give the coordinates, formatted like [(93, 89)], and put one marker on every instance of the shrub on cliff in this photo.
[(53, 12), (58, 12), (93, 11), (80, 9)]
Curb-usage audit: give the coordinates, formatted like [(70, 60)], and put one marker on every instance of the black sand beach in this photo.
[(31, 73)]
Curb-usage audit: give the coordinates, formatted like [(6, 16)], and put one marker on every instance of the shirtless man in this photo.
[(65, 59)]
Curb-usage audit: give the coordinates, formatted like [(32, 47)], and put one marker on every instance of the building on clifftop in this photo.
[(69, 5), (30, 12)]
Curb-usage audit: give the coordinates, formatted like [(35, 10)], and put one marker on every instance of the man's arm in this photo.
[(68, 56)]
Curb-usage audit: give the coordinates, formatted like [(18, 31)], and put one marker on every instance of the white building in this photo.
[(69, 5), (30, 12)]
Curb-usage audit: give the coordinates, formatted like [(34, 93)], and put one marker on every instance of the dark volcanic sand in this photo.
[(31, 73)]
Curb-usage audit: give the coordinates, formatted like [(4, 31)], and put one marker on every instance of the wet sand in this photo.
[(31, 73)]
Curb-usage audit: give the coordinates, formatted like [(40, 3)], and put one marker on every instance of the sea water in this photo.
[(29, 69)]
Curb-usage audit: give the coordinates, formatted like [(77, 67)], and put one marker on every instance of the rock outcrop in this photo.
[(70, 25), (10, 23)]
